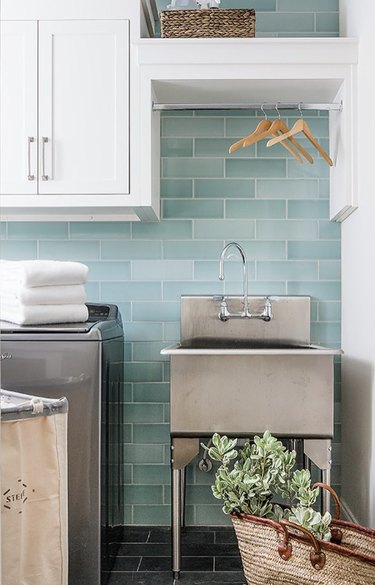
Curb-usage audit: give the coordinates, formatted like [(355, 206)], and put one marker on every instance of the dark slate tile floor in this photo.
[(209, 556)]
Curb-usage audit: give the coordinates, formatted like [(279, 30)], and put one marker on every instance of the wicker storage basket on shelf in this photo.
[(274, 553), (212, 22)]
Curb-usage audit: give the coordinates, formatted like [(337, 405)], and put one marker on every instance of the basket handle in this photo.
[(336, 533), (334, 495), (317, 556)]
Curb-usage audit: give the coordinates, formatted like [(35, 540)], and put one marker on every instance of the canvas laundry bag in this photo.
[(33, 465)]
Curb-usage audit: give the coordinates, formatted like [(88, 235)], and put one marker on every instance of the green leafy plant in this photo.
[(249, 478)]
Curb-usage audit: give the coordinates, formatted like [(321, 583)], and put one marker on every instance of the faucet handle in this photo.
[(219, 298), (267, 311), (224, 313)]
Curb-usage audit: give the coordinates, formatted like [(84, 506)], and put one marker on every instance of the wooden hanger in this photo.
[(301, 126), (266, 128), (275, 129), (260, 129), (283, 128)]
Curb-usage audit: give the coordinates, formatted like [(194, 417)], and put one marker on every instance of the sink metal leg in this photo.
[(307, 463), (183, 495), (319, 451), (176, 522), (326, 496), (292, 444), (183, 450)]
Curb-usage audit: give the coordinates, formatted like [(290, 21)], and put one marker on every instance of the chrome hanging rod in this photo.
[(158, 107)]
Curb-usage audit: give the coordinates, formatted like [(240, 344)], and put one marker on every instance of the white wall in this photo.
[(358, 261)]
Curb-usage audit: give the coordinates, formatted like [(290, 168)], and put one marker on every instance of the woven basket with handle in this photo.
[(212, 22), (283, 553)]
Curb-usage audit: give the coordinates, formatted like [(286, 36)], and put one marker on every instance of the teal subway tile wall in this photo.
[(144, 268), (276, 208)]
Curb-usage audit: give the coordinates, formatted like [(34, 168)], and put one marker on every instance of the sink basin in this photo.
[(244, 376)]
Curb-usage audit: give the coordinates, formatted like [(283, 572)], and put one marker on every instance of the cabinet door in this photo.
[(18, 107), (84, 107)]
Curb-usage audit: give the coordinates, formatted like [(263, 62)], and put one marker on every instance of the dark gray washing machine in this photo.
[(84, 362)]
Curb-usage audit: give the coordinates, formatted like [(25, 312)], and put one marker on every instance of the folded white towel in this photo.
[(73, 294), (43, 314), (32, 273)]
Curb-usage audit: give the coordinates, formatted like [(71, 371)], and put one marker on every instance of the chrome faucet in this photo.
[(244, 273), (224, 313)]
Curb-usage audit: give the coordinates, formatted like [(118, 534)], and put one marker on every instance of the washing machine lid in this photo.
[(7, 327), (98, 313)]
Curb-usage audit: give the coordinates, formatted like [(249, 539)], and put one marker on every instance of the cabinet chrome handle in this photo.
[(44, 141), (30, 177)]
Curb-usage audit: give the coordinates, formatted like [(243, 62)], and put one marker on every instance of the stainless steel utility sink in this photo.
[(242, 376), (247, 376)]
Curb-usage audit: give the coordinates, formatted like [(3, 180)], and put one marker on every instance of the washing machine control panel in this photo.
[(99, 312)]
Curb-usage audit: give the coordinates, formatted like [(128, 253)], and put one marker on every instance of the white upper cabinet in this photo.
[(70, 146), (84, 107), (18, 107)]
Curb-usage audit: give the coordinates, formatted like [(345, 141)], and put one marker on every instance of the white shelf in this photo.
[(273, 51)]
